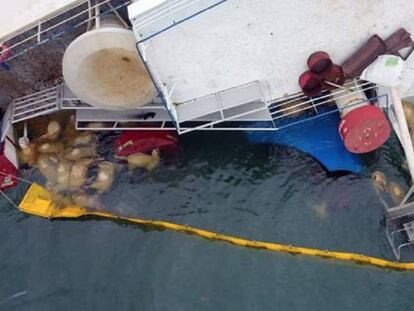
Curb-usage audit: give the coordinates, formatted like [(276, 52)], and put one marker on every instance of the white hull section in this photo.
[(240, 41)]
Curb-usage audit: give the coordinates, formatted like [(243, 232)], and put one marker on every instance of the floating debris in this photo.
[(17, 295), (64, 169), (142, 160), (321, 210), (28, 155), (380, 181), (53, 131), (105, 177), (79, 174), (49, 147), (47, 166), (397, 192), (77, 153), (86, 200), (84, 139)]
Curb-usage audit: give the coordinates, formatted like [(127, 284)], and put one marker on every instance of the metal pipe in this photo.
[(88, 26), (97, 16), (118, 15)]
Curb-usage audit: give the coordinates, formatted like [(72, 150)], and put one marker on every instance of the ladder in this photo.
[(36, 104)]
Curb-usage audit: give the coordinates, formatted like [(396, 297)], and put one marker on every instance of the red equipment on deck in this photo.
[(364, 129), (131, 142)]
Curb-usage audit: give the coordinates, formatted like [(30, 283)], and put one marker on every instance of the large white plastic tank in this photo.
[(103, 69)]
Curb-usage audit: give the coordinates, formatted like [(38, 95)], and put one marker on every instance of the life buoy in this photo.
[(4, 53)]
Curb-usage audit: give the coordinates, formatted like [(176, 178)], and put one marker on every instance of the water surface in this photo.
[(221, 183)]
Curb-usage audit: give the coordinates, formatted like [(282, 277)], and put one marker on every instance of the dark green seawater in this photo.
[(221, 183)]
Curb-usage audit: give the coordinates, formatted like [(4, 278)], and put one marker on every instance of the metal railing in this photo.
[(167, 9), (36, 104), (227, 105), (168, 14), (399, 224), (250, 113), (55, 26)]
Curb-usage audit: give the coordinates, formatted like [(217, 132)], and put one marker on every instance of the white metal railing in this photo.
[(36, 33), (166, 14), (6, 121), (399, 225), (282, 107), (36, 104), (227, 105), (245, 104), (166, 9)]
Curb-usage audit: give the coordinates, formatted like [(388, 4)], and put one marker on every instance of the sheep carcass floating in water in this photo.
[(104, 178), (142, 160)]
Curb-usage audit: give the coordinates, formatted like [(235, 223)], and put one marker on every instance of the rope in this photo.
[(18, 178), (8, 199)]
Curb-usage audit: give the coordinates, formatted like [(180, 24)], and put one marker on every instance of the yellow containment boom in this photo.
[(38, 201)]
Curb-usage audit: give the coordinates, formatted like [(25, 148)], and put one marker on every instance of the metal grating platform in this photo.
[(36, 104)]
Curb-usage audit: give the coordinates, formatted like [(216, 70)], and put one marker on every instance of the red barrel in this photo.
[(364, 129)]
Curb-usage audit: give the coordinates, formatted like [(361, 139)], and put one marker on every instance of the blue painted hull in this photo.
[(317, 137)]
